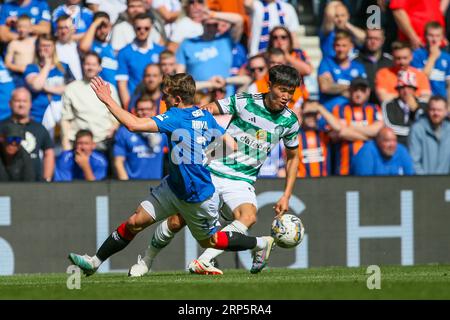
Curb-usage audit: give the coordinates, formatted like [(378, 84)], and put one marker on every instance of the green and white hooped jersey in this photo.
[(256, 131)]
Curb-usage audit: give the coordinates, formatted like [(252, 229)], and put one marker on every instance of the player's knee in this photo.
[(175, 223), (248, 219), (132, 224)]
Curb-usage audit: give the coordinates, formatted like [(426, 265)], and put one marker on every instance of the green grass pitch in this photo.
[(416, 282)]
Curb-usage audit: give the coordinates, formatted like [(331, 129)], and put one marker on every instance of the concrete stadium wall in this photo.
[(348, 222)]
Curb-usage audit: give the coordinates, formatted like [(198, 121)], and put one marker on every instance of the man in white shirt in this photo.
[(189, 26), (123, 33), (66, 47), (82, 109)]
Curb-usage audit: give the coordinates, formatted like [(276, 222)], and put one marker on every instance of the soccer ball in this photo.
[(287, 230)]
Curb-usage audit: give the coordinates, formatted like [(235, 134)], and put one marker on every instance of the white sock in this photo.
[(161, 238), (96, 261), (211, 253), (261, 243)]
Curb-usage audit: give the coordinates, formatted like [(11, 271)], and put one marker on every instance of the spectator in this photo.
[(46, 81), (276, 57), (36, 139), (80, 16), (434, 62), (266, 15), (135, 153), (83, 162), (20, 52), (383, 157), (373, 58), (317, 127), (336, 73), (429, 140), (6, 88), (386, 79), (123, 33), (411, 17), (168, 62), (67, 47), (257, 67), (96, 39), (134, 57), (281, 38), (362, 117), (337, 18), (112, 7), (82, 109), (37, 10), (399, 114), (235, 6), (15, 164), (169, 11), (210, 55), (190, 26), (150, 86)]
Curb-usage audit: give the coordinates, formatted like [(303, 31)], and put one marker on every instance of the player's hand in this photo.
[(282, 206), (101, 89)]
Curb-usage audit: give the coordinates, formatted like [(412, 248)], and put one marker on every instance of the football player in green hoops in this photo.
[(258, 123)]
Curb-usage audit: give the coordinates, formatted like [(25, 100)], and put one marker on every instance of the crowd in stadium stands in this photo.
[(381, 107)]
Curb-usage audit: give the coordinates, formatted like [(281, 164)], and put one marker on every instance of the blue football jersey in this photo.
[(189, 132)]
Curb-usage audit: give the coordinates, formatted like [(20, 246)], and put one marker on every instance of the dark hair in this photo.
[(142, 16), (289, 35), (84, 133), (399, 45), (93, 54), (182, 85), (432, 25), (144, 98), (63, 17), (101, 14), (284, 75), (257, 56), (436, 99)]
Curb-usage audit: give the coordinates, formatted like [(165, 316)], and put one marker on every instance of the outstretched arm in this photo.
[(133, 123)]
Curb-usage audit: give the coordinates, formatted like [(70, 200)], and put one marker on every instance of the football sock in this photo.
[(211, 253), (261, 243), (96, 261), (161, 238), (116, 241), (234, 241)]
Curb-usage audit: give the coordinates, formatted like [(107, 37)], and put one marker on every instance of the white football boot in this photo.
[(261, 257), (203, 267), (140, 268)]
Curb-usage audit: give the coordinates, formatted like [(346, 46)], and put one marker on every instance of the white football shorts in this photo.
[(233, 193), (202, 218)]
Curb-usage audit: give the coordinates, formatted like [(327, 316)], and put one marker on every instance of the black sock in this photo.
[(114, 243), (234, 241)]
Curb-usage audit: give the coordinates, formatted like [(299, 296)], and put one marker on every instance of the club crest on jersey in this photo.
[(261, 135), (197, 113)]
